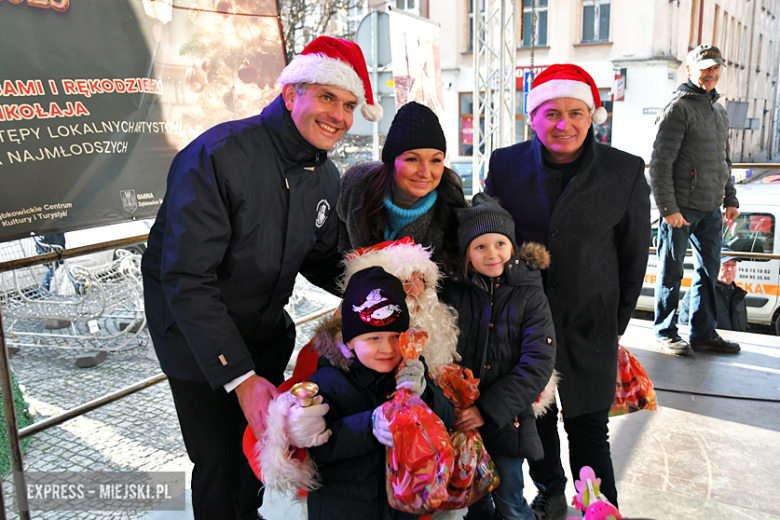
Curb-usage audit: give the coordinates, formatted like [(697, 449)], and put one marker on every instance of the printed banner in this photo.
[(414, 44), (97, 96)]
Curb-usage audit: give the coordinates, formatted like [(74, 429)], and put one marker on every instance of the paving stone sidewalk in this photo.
[(137, 433)]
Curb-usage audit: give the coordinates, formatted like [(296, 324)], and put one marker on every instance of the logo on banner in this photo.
[(322, 209), (129, 201)]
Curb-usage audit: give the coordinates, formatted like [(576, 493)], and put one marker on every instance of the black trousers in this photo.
[(224, 487), (588, 446)]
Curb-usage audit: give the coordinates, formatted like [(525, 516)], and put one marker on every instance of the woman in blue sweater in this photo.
[(410, 193)]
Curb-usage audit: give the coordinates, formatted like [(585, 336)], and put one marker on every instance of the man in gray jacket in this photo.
[(690, 173)]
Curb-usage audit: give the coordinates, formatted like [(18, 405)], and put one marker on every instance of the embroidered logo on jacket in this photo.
[(378, 309), (322, 213)]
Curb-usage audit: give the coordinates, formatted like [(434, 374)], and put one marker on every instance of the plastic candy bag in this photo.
[(633, 388), (473, 475), (420, 464)]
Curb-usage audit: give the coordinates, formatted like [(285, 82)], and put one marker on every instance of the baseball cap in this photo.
[(724, 255), (705, 56)]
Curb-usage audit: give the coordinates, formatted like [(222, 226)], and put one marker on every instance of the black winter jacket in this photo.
[(732, 308), (507, 339), (691, 166), (351, 464), (249, 204), (598, 235)]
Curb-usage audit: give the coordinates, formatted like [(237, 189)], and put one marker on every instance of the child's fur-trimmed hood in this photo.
[(534, 255), (328, 343)]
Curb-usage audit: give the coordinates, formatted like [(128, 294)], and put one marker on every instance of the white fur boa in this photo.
[(547, 397), (281, 472)]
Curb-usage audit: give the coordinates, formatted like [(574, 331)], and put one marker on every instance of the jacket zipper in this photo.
[(482, 365)]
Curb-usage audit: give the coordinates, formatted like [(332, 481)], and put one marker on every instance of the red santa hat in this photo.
[(565, 80), (400, 258), (336, 62)]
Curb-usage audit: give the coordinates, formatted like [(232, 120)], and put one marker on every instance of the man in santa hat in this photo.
[(589, 204), (249, 204)]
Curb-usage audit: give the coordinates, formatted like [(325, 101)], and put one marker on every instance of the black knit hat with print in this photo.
[(374, 301), (414, 126), (484, 216)]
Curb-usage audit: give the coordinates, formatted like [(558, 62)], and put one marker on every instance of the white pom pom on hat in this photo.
[(336, 62), (566, 80)]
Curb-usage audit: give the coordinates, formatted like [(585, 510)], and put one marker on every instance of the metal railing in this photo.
[(15, 435), (753, 166)]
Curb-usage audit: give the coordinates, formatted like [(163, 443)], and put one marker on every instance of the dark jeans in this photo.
[(588, 446), (224, 487), (704, 233), (507, 499)]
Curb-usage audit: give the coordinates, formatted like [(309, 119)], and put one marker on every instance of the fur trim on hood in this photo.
[(534, 255), (328, 344)]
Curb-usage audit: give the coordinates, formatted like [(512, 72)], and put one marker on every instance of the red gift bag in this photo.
[(420, 463), (473, 475), (633, 388)]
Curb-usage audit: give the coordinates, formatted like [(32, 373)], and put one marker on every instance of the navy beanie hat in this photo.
[(484, 216), (414, 126), (374, 301)]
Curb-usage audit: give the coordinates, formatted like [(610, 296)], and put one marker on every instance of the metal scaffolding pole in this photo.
[(495, 44)]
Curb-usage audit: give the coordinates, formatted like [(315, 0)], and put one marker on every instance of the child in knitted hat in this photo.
[(356, 375), (507, 339)]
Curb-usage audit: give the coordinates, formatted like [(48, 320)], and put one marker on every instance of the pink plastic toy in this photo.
[(590, 499)]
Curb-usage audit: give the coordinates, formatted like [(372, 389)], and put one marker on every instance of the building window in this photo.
[(466, 119), (540, 36), (737, 42), (466, 116), (595, 20), (715, 34), (410, 6), (734, 36), (694, 24), (470, 43)]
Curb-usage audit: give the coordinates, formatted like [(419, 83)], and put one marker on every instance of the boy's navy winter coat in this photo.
[(351, 464), (507, 339)]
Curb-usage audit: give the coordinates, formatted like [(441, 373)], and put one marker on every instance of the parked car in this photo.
[(754, 231), (465, 170)]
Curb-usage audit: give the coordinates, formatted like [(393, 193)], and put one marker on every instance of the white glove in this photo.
[(412, 377), (306, 426), (379, 427)]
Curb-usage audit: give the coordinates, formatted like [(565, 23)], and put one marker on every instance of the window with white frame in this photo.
[(595, 20), (410, 6), (470, 42), (355, 14), (540, 34)]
